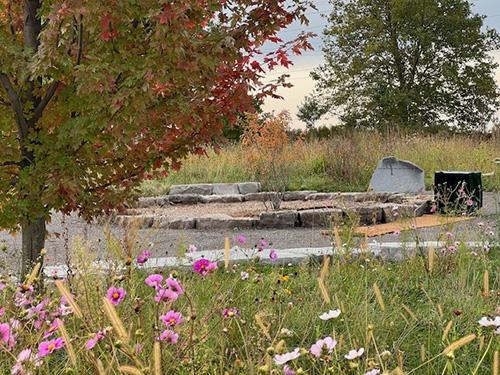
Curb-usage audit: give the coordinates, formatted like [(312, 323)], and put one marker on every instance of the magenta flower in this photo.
[(169, 336), (323, 346), (469, 202), (143, 257), (288, 370), (230, 312), (92, 342), (172, 318), (4, 332), (174, 285), (165, 295), (154, 280), (273, 255), (48, 347), (204, 266), (52, 329), (281, 359), (116, 295), (263, 244), (241, 239)]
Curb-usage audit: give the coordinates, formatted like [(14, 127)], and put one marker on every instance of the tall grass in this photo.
[(344, 163)]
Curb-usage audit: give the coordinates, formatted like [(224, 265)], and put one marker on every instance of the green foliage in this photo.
[(406, 63)]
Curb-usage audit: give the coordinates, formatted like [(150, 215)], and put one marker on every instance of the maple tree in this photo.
[(97, 96)]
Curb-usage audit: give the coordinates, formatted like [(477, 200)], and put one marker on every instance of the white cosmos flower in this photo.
[(353, 354), (485, 322), (330, 314), (281, 359)]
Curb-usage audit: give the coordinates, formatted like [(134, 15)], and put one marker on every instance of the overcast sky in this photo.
[(299, 72)]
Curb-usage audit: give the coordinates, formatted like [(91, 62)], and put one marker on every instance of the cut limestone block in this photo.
[(297, 195), (248, 187), (264, 196), (174, 223), (234, 198), (278, 219), (322, 217), (222, 221), (200, 189), (397, 176), (225, 189), (321, 196), (184, 198), (146, 202), (393, 212), (367, 215)]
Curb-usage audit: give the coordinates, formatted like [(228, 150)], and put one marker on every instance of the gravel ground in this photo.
[(163, 242)]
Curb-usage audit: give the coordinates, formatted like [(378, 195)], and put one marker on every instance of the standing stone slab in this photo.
[(248, 187), (225, 189), (322, 217), (397, 176), (199, 189), (278, 219)]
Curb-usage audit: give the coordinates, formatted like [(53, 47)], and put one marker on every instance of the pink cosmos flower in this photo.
[(321, 346), (143, 257), (273, 255), (204, 266), (165, 295), (281, 359), (48, 347), (24, 356), (192, 249), (169, 336), (2, 311), (92, 342), (174, 285), (288, 370), (116, 295), (263, 244), (230, 312), (433, 209), (469, 202), (2, 286), (4, 332), (172, 318), (397, 232), (241, 239), (154, 280), (52, 329), (353, 354), (375, 371)]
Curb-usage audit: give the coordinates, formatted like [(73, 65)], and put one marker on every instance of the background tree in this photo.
[(406, 63), (95, 96)]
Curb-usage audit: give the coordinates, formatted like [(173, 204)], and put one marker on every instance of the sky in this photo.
[(303, 65)]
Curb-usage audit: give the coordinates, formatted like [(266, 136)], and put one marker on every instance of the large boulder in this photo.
[(199, 189), (278, 219), (321, 217), (397, 176)]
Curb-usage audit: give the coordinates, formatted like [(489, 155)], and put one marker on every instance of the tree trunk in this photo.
[(33, 241)]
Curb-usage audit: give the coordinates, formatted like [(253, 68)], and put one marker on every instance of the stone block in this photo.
[(184, 199), (225, 189), (322, 217), (278, 219), (249, 187), (321, 196), (369, 215), (146, 202), (174, 223), (163, 201), (141, 221), (297, 195), (393, 212), (397, 176), (261, 197), (373, 197), (234, 198), (199, 189), (222, 221)]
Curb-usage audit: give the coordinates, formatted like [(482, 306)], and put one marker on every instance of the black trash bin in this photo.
[(458, 192)]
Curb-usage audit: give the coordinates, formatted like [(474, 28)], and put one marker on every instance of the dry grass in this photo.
[(344, 163)]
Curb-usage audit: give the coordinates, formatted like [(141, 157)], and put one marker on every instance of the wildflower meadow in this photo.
[(341, 314)]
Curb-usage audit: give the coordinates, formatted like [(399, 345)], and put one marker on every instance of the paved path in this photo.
[(163, 242)]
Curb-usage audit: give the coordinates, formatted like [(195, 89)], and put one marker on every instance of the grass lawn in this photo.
[(245, 319)]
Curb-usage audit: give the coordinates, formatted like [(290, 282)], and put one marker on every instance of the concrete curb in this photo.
[(392, 251)]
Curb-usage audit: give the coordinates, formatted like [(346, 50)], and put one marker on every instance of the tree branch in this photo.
[(46, 99), (15, 102)]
